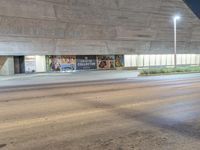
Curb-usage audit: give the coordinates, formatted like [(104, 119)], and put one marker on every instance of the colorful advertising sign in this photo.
[(119, 61), (106, 62), (86, 62), (61, 63)]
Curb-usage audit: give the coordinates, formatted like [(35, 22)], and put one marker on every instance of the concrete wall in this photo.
[(2, 61), (6, 65), (71, 27)]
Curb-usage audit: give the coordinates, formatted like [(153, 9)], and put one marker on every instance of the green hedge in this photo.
[(154, 71)]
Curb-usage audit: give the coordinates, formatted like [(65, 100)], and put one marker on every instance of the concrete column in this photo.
[(7, 65)]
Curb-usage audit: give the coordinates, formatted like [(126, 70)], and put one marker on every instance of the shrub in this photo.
[(165, 70)]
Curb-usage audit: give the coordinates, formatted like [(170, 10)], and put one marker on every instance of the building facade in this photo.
[(35, 35)]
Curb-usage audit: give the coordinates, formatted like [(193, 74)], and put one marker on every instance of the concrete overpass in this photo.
[(66, 27)]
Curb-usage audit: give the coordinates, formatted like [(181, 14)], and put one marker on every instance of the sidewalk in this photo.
[(79, 76)]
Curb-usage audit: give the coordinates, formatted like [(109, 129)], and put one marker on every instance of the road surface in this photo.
[(146, 113)]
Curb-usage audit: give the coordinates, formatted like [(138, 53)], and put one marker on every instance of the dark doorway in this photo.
[(19, 64)]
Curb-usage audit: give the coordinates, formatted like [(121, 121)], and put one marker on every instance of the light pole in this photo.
[(175, 38)]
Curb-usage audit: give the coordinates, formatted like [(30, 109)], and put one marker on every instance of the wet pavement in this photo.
[(143, 113)]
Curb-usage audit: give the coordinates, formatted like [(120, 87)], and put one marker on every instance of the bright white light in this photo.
[(177, 17)]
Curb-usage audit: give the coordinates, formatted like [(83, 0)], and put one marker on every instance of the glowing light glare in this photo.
[(177, 17)]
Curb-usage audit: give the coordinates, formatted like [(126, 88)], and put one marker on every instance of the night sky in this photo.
[(194, 5)]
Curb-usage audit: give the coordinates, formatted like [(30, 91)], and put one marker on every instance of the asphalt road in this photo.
[(153, 113)]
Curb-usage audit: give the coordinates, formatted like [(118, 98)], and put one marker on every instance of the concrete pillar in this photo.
[(6, 65)]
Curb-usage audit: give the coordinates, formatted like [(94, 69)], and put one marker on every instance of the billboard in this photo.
[(86, 62), (119, 61), (106, 62), (61, 63)]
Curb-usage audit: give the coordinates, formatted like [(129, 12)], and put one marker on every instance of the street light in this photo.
[(175, 22)]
